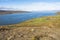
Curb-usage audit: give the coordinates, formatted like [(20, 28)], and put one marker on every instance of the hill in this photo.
[(11, 11), (44, 28), (42, 21)]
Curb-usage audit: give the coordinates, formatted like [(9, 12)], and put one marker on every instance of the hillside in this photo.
[(44, 28), (52, 21), (11, 11)]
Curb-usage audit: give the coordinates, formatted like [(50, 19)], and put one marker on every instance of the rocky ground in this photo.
[(46, 28), (31, 33)]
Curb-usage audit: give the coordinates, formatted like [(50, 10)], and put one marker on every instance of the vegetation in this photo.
[(43, 28), (58, 13), (50, 21)]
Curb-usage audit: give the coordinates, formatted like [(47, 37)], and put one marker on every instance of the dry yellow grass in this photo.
[(50, 21), (44, 28)]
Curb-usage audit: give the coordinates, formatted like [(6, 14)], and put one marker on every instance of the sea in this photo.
[(15, 18)]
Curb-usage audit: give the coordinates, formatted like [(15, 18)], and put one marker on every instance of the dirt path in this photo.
[(31, 33)]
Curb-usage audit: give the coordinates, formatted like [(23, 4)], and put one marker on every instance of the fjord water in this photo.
[(21, 17)]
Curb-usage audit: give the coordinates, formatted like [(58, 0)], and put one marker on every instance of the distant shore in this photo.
[(11, 12)]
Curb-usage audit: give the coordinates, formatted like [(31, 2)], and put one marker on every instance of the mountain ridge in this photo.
[(11, 11)]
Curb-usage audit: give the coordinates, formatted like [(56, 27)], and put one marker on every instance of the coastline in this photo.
[(11, 12)]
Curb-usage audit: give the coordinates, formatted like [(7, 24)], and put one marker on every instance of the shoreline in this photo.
[(11, 12)]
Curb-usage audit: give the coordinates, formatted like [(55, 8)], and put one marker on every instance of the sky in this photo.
[(30, 5)]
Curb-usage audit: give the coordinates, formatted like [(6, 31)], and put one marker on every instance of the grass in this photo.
[(43, 21), (44, 33), (50, 21)]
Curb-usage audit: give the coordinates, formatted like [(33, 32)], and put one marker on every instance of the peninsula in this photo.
[(11, 11)]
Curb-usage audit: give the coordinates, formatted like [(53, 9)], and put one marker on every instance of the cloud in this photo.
[(36, 6), (41, 6)]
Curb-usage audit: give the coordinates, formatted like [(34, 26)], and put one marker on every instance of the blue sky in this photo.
[(31, 5)]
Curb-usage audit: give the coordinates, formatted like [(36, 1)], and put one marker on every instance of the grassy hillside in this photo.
[(50, 21), (44, 28)]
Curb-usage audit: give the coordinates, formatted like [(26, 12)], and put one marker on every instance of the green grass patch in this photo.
[(51, 21)]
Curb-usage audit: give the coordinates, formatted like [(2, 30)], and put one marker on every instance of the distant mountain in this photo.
[(2, 10), (12, 11)]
